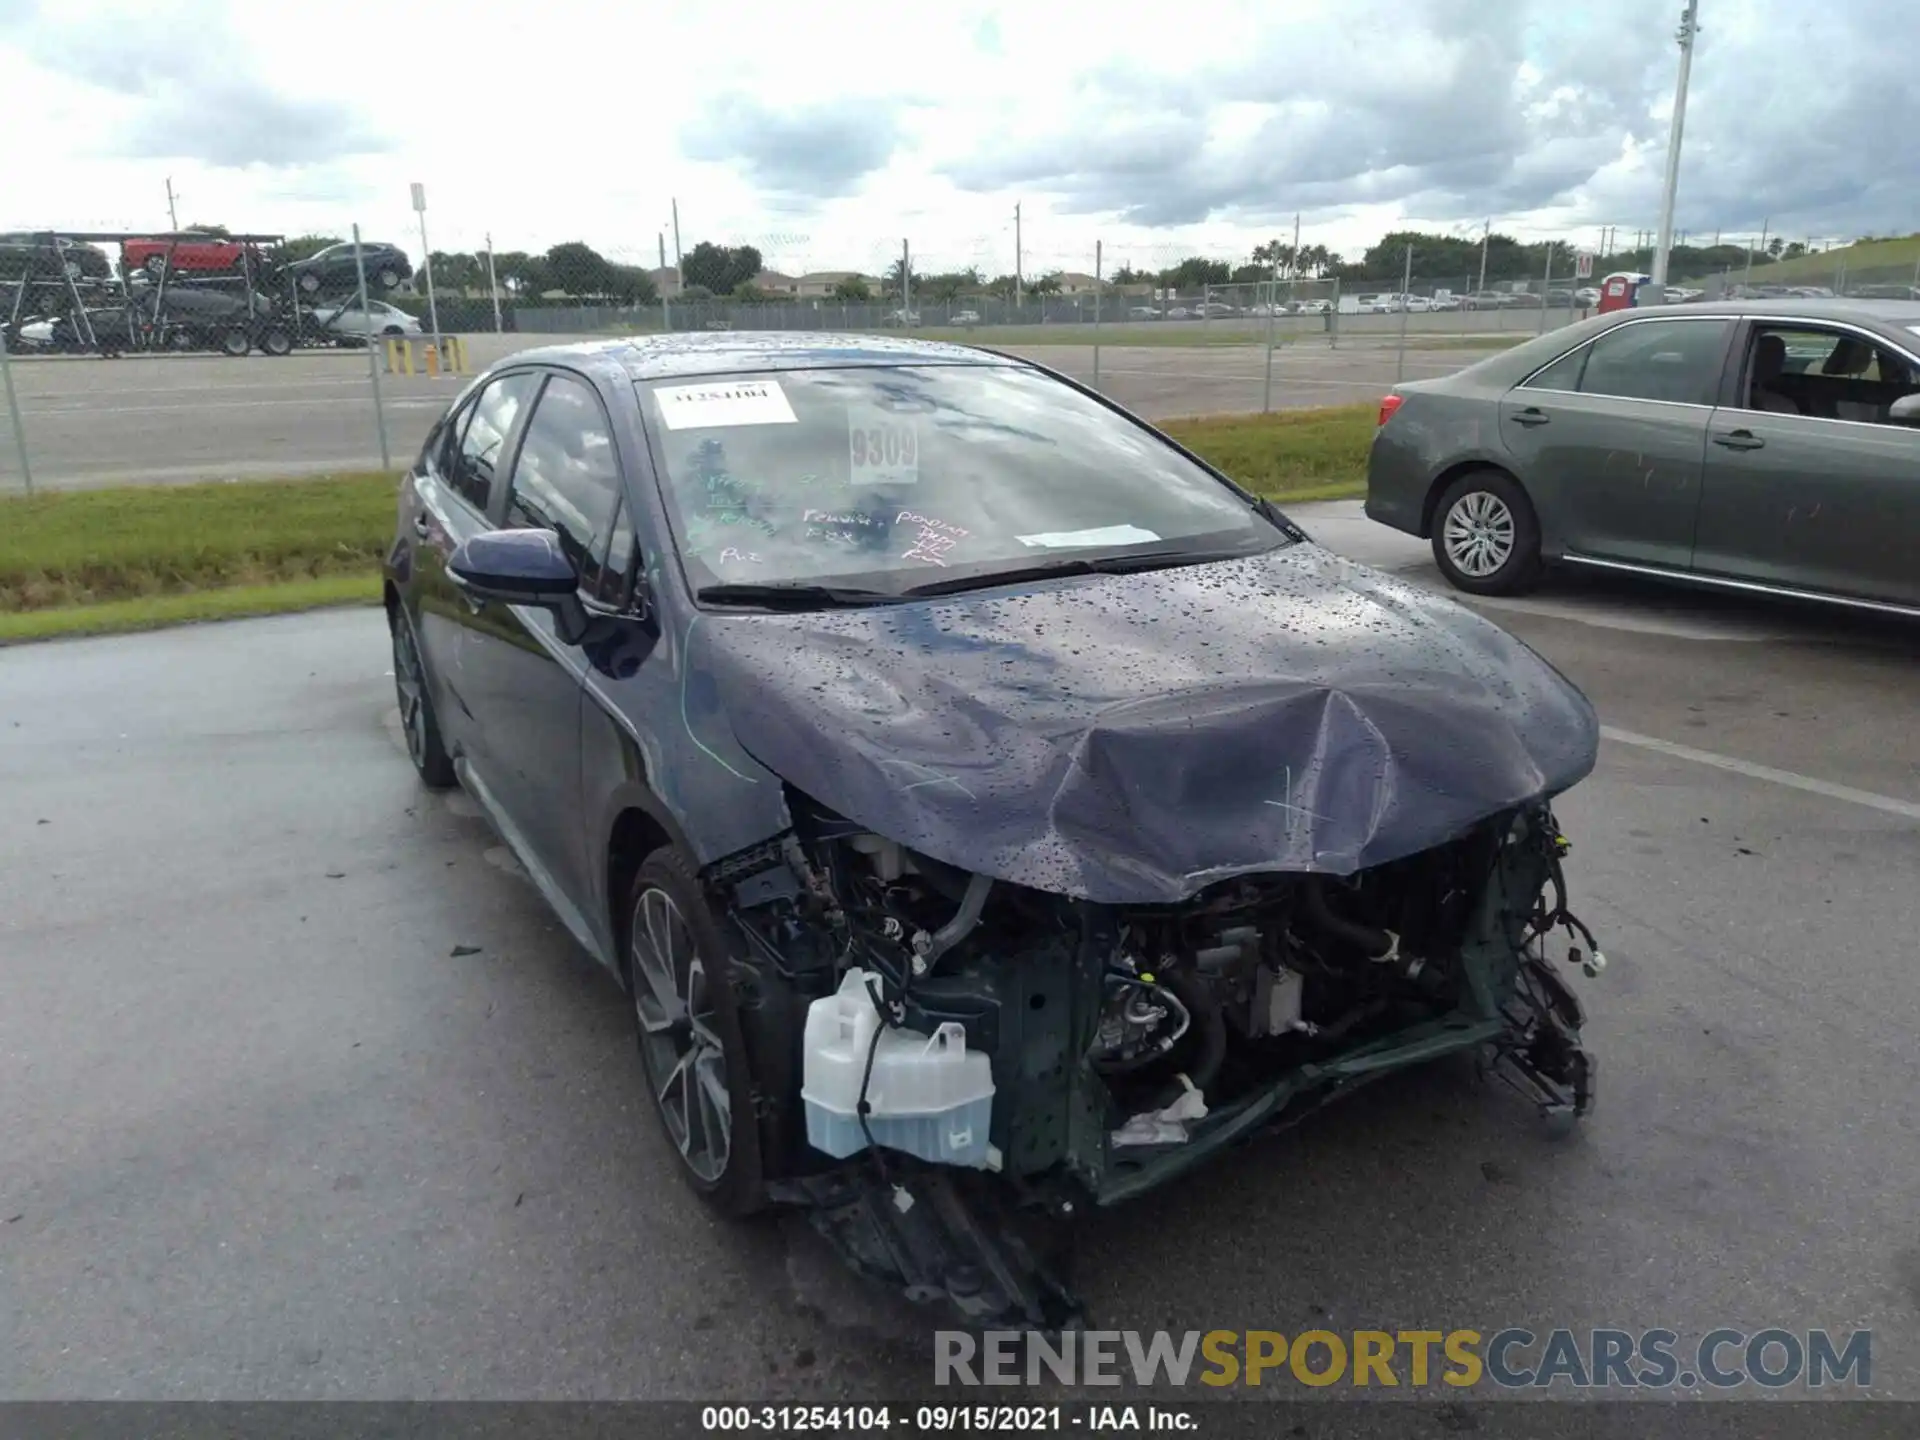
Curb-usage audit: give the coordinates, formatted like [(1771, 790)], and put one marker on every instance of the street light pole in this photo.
[(1689, 27), (433, 306)]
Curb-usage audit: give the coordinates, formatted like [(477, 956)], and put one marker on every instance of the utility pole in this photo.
[(906, 284), (1486, 238), (1016, 257), (173, 214), (676, 241), (1295, 267), (666, 300), (1689, 27), (493, 285)]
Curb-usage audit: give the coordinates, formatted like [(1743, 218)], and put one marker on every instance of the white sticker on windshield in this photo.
[(742, 402), (882, 448), (1108, 535)]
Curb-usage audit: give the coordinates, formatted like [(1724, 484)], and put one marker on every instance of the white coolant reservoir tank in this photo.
[(928, 1094)]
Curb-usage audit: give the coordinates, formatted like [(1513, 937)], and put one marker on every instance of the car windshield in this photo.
[(888, 479)]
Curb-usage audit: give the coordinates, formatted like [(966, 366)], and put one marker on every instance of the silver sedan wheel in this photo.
[(1478, 534), (686, 1060)]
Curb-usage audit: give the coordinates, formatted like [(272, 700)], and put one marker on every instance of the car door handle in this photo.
[(1532, 415), (422, 526), (1739, 440)]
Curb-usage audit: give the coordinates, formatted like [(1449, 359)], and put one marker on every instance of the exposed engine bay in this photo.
[(1125, 1043)]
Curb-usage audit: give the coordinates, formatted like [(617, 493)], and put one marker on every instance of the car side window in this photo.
[(485, 436), (1826, 373), (567, 477), (437, 451), (1562, 374), (1673, 360), (608, 578)]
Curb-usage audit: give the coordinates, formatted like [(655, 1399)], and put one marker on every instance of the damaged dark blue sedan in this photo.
[(988, 806)]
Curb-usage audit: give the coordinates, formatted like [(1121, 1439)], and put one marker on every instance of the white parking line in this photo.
[(1906, 809)]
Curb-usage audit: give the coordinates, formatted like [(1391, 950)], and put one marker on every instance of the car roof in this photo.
[(727, 352), (1799, 307)]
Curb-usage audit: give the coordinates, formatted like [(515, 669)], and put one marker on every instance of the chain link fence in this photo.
[(233, 354)]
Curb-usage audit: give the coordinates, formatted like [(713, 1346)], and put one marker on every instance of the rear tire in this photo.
[(276, 342), (1486, 537), (235, 343), (417, 721), (388, 277), (680, 983)]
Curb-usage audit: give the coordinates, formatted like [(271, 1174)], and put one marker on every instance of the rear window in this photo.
[(895, 476)]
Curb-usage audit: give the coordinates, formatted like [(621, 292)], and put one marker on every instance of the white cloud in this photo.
[(826, 133)]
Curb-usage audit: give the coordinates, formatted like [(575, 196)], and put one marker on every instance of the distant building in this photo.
[(821, 284), (1074, 282), (666, 280), (772, 282)]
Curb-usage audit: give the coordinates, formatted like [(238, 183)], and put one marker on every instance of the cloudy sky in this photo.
[(827, 132)]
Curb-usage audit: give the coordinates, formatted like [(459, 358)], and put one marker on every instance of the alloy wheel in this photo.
[(410, 686), (1479, 534), (686, 1060)]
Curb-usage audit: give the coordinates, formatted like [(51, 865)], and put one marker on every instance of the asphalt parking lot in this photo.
[(307, 1095), (92, 422)]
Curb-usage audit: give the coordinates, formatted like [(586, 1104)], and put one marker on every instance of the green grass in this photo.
[(1897, 257), (95, 562), (142, 542), (1488, 343), (1318, 454)]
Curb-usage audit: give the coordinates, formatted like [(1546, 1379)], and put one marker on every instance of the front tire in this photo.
[(418, 722), (679, 974), (1486, 537)]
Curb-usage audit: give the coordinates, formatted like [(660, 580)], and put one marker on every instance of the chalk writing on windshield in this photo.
[(854, 528), (724, 502), (933, 538)]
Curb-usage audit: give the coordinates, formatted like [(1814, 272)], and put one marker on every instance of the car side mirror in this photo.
[(515, 567), (521, 567), (1905, 410)]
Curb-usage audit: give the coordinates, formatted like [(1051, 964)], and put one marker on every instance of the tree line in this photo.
[(577, 271)]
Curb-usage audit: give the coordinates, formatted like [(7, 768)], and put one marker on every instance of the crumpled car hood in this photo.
[(1133, 739)]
